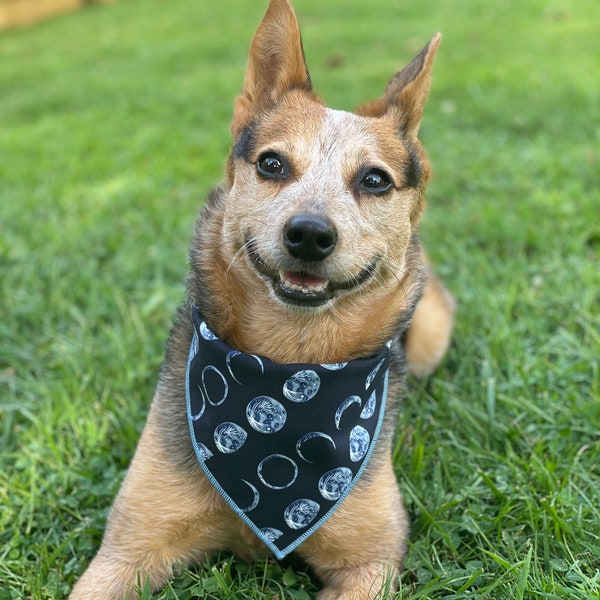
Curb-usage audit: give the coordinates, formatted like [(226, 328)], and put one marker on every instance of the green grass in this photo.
[(113, 127)]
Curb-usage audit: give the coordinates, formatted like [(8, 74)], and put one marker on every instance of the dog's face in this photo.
[(321, 204)]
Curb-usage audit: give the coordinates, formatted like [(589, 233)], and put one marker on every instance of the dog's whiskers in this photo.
[(244, 248)]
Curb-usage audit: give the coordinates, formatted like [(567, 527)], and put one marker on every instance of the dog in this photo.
[(306, 258)]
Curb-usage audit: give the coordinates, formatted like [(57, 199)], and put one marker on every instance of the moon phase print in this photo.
[(284, 444)]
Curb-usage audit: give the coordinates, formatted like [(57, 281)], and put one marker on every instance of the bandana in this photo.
[(282, 443)]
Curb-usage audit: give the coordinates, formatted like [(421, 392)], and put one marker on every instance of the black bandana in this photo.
[(282, 443)]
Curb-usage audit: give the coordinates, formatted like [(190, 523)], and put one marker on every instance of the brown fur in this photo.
[(166, 510)]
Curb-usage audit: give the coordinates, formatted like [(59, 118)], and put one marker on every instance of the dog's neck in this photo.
[(330, 335), (352, 327)]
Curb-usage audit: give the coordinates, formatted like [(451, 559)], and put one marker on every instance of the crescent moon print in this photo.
[(211, 369), (373, 374), (206, 333), (204, 452), (309, 436), (260, 362), (228, 358), (343, 407), (195, 344), (271, 533), (255, 500), (240, 373), (202, 408), (334, 366), (369, 410)]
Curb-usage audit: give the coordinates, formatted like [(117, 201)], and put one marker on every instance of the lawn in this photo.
[(114, 126)]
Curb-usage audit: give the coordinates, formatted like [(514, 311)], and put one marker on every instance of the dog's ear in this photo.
[(276, 64), (404, 97)]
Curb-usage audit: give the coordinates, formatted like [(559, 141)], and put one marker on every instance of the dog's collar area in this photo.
[(283, 444), (302, 288)]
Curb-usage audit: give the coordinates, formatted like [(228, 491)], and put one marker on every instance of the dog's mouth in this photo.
[(302, 288)]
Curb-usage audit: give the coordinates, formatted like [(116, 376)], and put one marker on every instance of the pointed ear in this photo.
[(405, 95), (276, 64)]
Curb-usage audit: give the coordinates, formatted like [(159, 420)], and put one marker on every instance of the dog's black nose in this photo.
[(309, 237)]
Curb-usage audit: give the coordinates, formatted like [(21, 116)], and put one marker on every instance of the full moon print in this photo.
[(369, 410), (301, 513), (266, 414), (283, 444), (359, 443), (344, 406), (302, 386), (335, 483), (229, 437)]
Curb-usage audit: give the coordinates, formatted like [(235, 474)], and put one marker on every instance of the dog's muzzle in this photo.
[(308, 241)]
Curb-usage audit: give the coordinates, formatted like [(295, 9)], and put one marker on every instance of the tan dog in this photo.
[(308, 253)]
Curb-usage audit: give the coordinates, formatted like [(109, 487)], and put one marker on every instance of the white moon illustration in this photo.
[(202, 408), (231, 367), (206, 333), (335, 483), (265, 414), (255, 500), (373, 374), (343, 407), (204, 452), (283, 460), (259, 361), (228, 358), (271, 533), (229, 437), (359, 443), (369, 410), (195, 344), (309, 436), (219, 400), (302, 386), (334, 366), (301, 513)]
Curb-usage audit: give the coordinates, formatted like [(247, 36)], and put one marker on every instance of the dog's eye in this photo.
[(272, 166), (376, 181)]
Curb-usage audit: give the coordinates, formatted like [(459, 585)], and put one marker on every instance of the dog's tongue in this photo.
[(303, 280)]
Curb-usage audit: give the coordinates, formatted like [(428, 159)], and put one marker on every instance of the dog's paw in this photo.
[(361, 584), (350, 594)]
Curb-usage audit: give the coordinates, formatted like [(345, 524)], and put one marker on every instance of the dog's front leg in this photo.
[(357, 554), (161, 516)]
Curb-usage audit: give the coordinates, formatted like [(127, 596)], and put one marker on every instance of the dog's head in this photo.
[(321, 204)]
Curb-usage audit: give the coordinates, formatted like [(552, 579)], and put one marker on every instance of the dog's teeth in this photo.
[(304, 287)]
